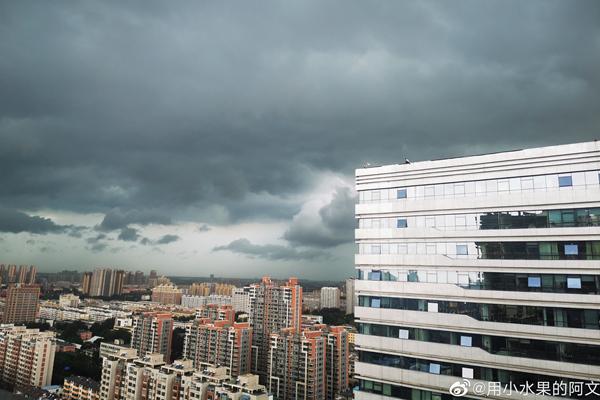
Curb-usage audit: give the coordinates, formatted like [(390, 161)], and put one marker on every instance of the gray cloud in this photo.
[(129, 235), (333, 226), (14, 221), (117, 219), (166, 239), (204, 228), (271, 251), (220, 113)]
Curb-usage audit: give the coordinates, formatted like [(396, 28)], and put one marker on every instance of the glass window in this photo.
[(571, 250), (467, 373), (460, 220), (429, 191), (432, 307), (403, 333), (375, 302), (401, 223), (462, 250), (401, 194), (573, 283), (375, 275), (375, 249), (503, 186), (534, 281), (466, 341), (459, 189), (434, 368), (375, 195), (565, 181)]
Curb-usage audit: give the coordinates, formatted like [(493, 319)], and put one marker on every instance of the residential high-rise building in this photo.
[(350, 302), (25, 275), (309, 364), (480, 269), (216, 312), (26, 356), (272, 307), (240, 299), (166, 294), (152, 333), (219, 342), (127, 377), (86, 283), (244, 387), (330, 297), (104, 282), (22, 304)]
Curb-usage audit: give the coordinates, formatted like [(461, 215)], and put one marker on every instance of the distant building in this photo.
[(166, 294), (199, 301), (350, 296), (69, 300), (330, 297), (311, 301), (245, 387), (22, 304), (103, 282), (80, 388), (26, 356), (86, 282), (153, 333)]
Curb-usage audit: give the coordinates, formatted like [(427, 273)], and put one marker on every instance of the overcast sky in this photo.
[(222, 137)]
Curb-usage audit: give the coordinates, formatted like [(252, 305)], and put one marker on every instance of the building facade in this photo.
[(80, 388), (219, 342), (26, 356), (240, 299), (22, 304), (330, 297), (272, 307), (479, 269), (103, 282), (166, 294), (350, 296), (153, 333)]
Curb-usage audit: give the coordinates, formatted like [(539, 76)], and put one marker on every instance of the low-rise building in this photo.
[(80, 388)]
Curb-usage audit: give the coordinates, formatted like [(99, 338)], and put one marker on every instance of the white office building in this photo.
[(240, 299), (330, 297), (481, 270)]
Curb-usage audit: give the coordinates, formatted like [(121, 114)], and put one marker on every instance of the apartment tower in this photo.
[(272, 307), (26, 356), (22, 304), (479, 270), (153, 333)]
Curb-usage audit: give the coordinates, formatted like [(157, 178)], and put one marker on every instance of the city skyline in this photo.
[(222, 139)]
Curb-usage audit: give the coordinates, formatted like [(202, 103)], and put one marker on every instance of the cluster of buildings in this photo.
[(103, 282), (482, 270), (275, 352), (22, 274)]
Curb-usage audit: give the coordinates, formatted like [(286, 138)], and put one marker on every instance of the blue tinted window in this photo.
[(375, 276), (401, 194), (534, 281), (462, 249), (571, 250), (574, 283), (375, 303), (564, 181), (466, 341), (401, 223), (434, 368)]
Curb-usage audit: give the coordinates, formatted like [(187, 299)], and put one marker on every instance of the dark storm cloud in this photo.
[(271, 252), (153, 112), (334, 226), (14, 221)]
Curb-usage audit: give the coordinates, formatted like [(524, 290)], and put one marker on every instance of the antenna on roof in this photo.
[(407, 161)]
